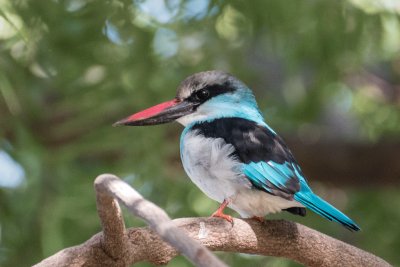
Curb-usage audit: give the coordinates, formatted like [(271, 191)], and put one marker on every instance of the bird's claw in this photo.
[(220, 212), (223, 216)]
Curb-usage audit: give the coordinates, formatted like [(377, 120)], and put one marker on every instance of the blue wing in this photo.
[(280, 180), (269, 165), (274, 178)]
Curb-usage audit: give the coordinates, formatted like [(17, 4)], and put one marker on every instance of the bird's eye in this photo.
[(202, 94)]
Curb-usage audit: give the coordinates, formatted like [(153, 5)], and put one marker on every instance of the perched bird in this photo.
[(231, 154)]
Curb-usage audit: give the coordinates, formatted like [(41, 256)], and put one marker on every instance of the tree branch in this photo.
[(116, 246), (114, 237), (108, 187)]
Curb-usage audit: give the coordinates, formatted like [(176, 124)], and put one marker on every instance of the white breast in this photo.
[(208, 163)]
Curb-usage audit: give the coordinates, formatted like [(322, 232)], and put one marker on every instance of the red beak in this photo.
[(162, 113)]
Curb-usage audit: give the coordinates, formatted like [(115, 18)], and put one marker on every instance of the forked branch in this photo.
[(160, 242)]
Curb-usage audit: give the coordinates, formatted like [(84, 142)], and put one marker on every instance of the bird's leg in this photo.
[(220, 212)]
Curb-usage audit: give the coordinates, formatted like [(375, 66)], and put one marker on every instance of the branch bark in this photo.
[(116, 246), (108, 188)]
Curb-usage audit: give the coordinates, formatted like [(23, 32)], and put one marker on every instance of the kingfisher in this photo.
[(232, 154)]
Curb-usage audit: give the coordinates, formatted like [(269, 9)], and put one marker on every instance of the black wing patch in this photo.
[(255, 144)]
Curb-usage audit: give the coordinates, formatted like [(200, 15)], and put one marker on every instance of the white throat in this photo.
[(210, 111)]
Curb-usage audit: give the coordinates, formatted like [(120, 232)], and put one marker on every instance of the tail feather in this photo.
[(323, 208)]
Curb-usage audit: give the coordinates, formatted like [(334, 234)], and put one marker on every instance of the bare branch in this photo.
[(271, 238), (114, 236), (109, 185), (116, 246)]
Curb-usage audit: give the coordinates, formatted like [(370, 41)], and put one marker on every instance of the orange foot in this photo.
[(260, 219), (223, 216), (220, 212)]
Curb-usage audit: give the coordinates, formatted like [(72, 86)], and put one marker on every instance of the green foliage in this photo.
[(70, 68)]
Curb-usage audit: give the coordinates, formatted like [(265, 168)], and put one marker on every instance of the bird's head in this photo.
[(203, 96)]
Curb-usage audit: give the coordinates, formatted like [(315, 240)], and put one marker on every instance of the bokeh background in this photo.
[(326, 75)]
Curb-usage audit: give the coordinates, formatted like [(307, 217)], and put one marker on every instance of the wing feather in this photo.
[(267, 161)]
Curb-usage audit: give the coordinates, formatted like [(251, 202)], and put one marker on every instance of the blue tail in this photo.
[(323, 208)]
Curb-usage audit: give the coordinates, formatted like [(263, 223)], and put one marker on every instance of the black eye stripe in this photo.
[(210, 91), (218, 89)]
